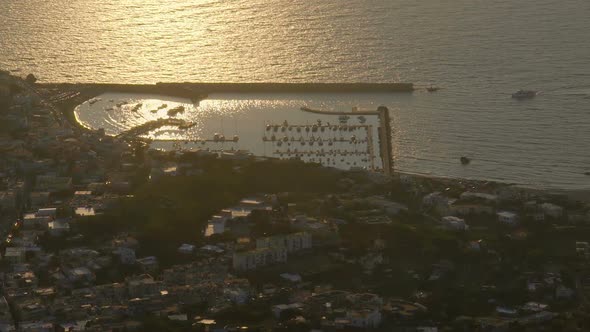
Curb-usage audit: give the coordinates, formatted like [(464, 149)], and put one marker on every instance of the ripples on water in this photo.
[(477, 51)]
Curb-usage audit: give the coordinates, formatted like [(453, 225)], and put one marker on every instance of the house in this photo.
[(126, 255), (278, 309), (438, 202), (253, 259), (31, 220), (292, 242), (291, 277), (186, 248), (8, 200), (507, 218), (53, 184), (143, 286), (454, 223), (39, 199), (47, 212), (564, 293), (80, 275), (458, 208), (552, 210), (15, 255), (58, 227), (364, 318), (148, 264)]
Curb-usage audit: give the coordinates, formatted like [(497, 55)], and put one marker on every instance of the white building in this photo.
[(507, 217), (253, 259)]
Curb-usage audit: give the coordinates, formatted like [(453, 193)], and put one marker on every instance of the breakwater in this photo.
[(201, 90)]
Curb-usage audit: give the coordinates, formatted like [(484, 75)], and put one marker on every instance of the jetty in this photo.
[(199, 91), (151, 125)]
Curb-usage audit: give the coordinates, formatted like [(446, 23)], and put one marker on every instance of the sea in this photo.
[(478, 52)]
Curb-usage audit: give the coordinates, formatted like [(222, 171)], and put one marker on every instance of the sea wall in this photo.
[(192, 90)]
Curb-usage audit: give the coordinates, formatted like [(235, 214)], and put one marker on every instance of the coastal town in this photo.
[(101, 233)]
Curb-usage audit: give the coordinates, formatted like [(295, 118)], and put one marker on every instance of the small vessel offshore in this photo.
[(464, 160), (524, 94), (432, 88)]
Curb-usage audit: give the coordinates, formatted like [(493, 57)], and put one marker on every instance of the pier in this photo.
[(200, 91), (151, 125)]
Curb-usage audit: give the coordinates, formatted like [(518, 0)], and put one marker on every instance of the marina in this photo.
[(357, 137)]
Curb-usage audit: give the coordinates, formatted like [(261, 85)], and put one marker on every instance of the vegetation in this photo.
[(173, 210)]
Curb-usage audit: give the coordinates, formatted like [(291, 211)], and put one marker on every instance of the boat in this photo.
[(464, 160), (524, 94), (432, 88)]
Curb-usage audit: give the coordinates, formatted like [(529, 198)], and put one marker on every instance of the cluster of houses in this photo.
[(506, 210)]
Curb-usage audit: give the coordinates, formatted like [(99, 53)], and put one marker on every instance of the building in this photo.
[(39, 199), (186, 248), (126, 255), (31, 220), (47, 212), (292, 242), (58, 227), (15, 255), (148, 264), (507, 217), (552, 210), (250, 260), (463, 209), (8, 200), (143, 286), (454, 223), (53, 184), (365, 318)]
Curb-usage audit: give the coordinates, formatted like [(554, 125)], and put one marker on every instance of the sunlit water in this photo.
[(477, 51)]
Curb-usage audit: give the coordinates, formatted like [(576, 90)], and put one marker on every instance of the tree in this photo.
[(31, 79)]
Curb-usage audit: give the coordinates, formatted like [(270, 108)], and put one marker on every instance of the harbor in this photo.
[(356, 138)]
